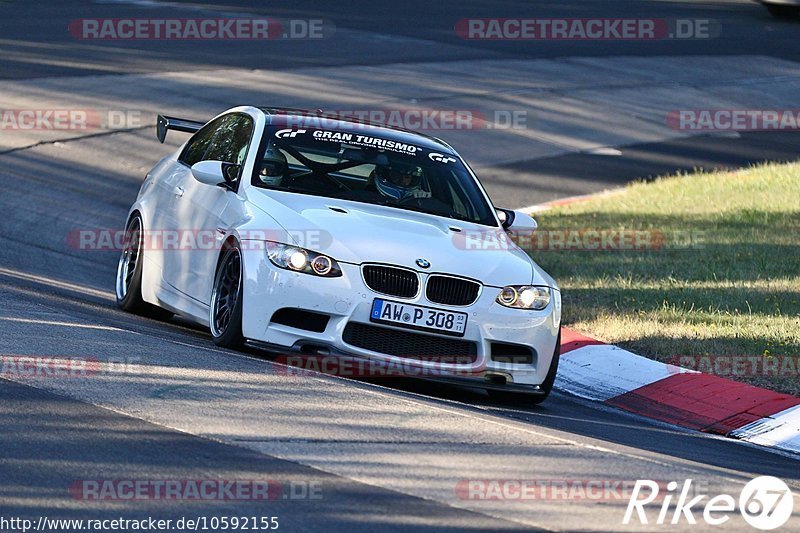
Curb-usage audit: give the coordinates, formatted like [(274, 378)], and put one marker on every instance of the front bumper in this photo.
[(347, 299)]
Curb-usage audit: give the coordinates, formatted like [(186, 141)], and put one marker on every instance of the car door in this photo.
[(169, 214), (202, 212)]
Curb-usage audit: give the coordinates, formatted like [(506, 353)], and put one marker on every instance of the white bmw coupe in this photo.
[(322, 236)]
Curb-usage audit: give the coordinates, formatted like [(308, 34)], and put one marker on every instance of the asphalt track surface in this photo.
[(387, 455)]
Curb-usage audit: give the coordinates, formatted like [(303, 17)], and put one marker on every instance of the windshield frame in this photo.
[(465, 171)]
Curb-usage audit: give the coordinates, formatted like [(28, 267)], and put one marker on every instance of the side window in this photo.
[(231, 140), (197, 145)]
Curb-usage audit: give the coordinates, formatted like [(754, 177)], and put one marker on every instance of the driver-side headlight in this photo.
[(524, 297), (301, 260)]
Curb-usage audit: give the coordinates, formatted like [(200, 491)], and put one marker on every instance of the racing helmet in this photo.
[(399, 181), (273, 166)]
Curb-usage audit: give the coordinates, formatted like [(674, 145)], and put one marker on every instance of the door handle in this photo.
[(179, 191)]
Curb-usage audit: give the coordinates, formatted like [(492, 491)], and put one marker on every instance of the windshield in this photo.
[(362, 167)]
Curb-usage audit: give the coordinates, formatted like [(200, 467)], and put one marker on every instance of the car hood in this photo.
[(354, 232)]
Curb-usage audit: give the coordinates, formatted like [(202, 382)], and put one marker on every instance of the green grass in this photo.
[(734, 291)]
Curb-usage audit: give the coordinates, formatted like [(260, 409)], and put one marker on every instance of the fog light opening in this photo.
[(496, 379)]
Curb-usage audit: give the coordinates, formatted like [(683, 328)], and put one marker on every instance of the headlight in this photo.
[(302, 260), (524, 297)]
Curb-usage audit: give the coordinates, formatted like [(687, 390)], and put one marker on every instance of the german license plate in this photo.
[(418, 317)]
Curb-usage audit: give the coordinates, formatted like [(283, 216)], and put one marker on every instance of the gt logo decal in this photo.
[(439, 158), (280, 134)]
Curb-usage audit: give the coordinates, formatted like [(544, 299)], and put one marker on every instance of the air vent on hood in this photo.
[(337, 209)]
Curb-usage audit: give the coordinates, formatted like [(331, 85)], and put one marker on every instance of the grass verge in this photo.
[(701, 270)]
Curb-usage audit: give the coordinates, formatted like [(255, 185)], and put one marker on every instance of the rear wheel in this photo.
[(225, 318), (129, 274), (782, 11), (522, 398)]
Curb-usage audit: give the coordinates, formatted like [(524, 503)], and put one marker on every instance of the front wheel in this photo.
[(225, 318), (129, 274), (546, 386)]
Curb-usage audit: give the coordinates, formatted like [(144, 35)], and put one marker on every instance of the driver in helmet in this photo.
[(273, 166), (399, 181)]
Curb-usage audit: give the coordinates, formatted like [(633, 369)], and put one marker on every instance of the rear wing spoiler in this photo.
[(177, 124)]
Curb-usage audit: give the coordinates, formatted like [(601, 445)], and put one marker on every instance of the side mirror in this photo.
[(506, 217), (216, 173), (516, 220)]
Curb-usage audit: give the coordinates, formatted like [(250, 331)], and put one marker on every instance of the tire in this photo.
[(225, 312), (129, 274), (521, 398), (782, 11)]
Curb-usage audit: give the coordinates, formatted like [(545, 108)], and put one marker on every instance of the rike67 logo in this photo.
[(766, 503)]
